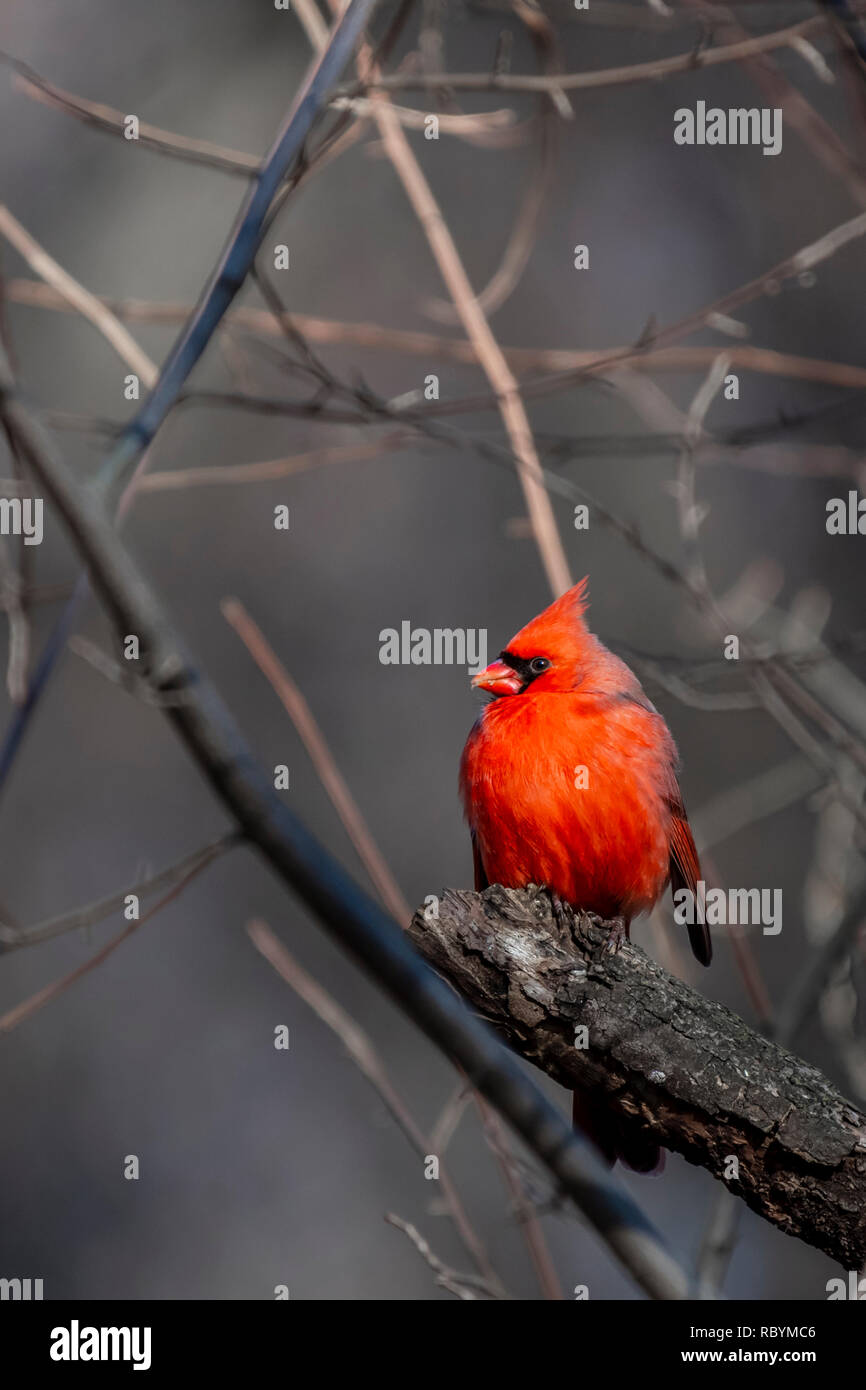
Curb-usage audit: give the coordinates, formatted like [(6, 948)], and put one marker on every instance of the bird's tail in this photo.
[(615, 1136)]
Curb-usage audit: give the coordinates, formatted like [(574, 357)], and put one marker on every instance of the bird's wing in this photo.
[(685, 872), (481, 879)]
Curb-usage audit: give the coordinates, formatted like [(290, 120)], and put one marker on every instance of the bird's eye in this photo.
[(538, 664)]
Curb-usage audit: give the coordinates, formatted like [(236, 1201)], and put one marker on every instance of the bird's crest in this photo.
[(559, 626)]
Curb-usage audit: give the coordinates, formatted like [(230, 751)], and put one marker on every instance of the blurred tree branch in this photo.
[(490, 128), (605, 77), (419, 343), (82, 918)]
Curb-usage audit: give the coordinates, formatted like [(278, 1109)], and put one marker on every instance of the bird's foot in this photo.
[(617, 935), (563, 915)]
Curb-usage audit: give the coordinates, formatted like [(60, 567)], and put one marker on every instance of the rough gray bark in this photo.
[(693, 1073)]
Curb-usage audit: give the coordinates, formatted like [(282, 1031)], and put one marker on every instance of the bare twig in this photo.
[(12, 599), (477, 127), (78, 298), (690, 513), (477, 329), (28, 1007), (583, 81), (320, 754), (267, 469), (524, 1208), (108, 118), (554, 360), (463, 1286), (798, 113), (449, 1118), (718, 1244), (521, 240), (13, 938)]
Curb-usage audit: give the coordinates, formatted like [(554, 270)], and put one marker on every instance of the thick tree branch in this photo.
[(691, 1071)]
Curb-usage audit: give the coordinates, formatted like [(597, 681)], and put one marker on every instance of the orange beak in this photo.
[(498, 679)]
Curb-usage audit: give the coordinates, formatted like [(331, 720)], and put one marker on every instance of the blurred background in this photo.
[(261, 1167)]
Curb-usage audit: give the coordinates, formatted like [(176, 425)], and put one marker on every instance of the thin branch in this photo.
[(12, 602), (320, 755), (476, 127), (463, 1286), (28, 1007), (14, 938), (689, 512), (759, 797), (798, 113), (421, 344), (78, 298), (777, 687), (312, 23), (15, 567), (267, 469), (583, 81), (768, 283), (523, 234), (108, 118), (118, 673), (718, 1244), (524, 1208), (317, 33), (478, 331), (489, 129), (449, 1118), (802, 1001)]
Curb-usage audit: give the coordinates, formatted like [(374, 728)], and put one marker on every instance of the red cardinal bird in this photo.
[(569, 779)]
